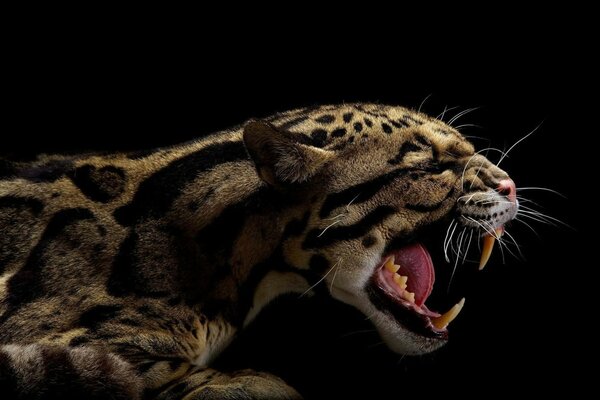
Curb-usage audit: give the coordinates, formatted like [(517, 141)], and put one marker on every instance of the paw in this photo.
[(246, 385)]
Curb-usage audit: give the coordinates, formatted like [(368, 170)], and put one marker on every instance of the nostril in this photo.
[(505, 191), (506, 187)]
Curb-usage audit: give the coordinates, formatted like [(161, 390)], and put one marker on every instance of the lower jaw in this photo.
[(410, 320)]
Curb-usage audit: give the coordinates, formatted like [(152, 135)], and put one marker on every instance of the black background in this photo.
[(524, 323)]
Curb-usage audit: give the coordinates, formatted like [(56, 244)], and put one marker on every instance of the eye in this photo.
[(435, 167), (438, 167)]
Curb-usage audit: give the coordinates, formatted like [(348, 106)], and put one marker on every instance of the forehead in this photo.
[(337, 126)]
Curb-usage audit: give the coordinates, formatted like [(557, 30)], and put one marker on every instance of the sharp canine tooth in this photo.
[(390, 266), (486, 251), (410, 296), (401, 280), (443, 320)]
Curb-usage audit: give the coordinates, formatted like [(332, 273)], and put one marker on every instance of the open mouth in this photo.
[(404, 281)]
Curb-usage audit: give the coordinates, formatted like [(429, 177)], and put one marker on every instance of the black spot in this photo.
[(61, 378), (411, 120), (338, 132), (97, 315), (429, 207), (179, 390), (193, 205), (318, 263), (369, 241), (156, 194), (8, 380), (368, 122), (120, 280), (351, 139), (101, 185), (144, 367), (215, 242), (314, 239), (359, 193), (318, 137), (293, 122), (34, 205), (48, 172), (127, 276), (358, 126), (55, 195), (79, 340), (28, 283), (101, 230), (348, 117), (405, 148), (399, 124), (442, 131), (422, 139), (386, 128), (495, 215), (46, 326), (296, 226), (325, 119)]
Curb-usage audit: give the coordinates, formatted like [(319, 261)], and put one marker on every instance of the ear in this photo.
[(282, 157)]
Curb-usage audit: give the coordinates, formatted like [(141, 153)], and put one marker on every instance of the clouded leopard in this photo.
[(124, 275)]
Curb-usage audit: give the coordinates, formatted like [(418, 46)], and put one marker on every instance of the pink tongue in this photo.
[(414, 261)]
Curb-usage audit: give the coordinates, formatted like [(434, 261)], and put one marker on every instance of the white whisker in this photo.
[(542, 189), (446, 109), (461, 114), (327, 227), (517, 142), (423, 102), (320, 280)]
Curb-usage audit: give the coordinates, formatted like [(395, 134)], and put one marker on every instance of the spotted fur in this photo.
[(124, 275)]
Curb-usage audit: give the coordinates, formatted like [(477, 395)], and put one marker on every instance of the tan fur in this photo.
[(135, 271)]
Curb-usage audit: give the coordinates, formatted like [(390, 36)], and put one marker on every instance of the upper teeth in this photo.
[(390, 266), (400, 280), (488, 246)]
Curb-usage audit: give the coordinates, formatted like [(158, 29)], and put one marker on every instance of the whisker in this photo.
[(334, 275), (320, 280), (470, 159), (517, 142), (423, 102), (461, 114), (511, 237), (460, 239), (527, 225), (525, 215), (531, 211), (446, 109), (327, 227), (447, 242), (351, 201), (470, 126), (519, 189), (468, 245)]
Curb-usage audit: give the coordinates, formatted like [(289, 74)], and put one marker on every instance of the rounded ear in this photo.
[(281, 157)]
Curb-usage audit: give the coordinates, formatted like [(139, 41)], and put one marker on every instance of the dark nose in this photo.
[(507, 188)]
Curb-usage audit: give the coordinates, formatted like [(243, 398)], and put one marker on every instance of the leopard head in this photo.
[(380, 186)]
